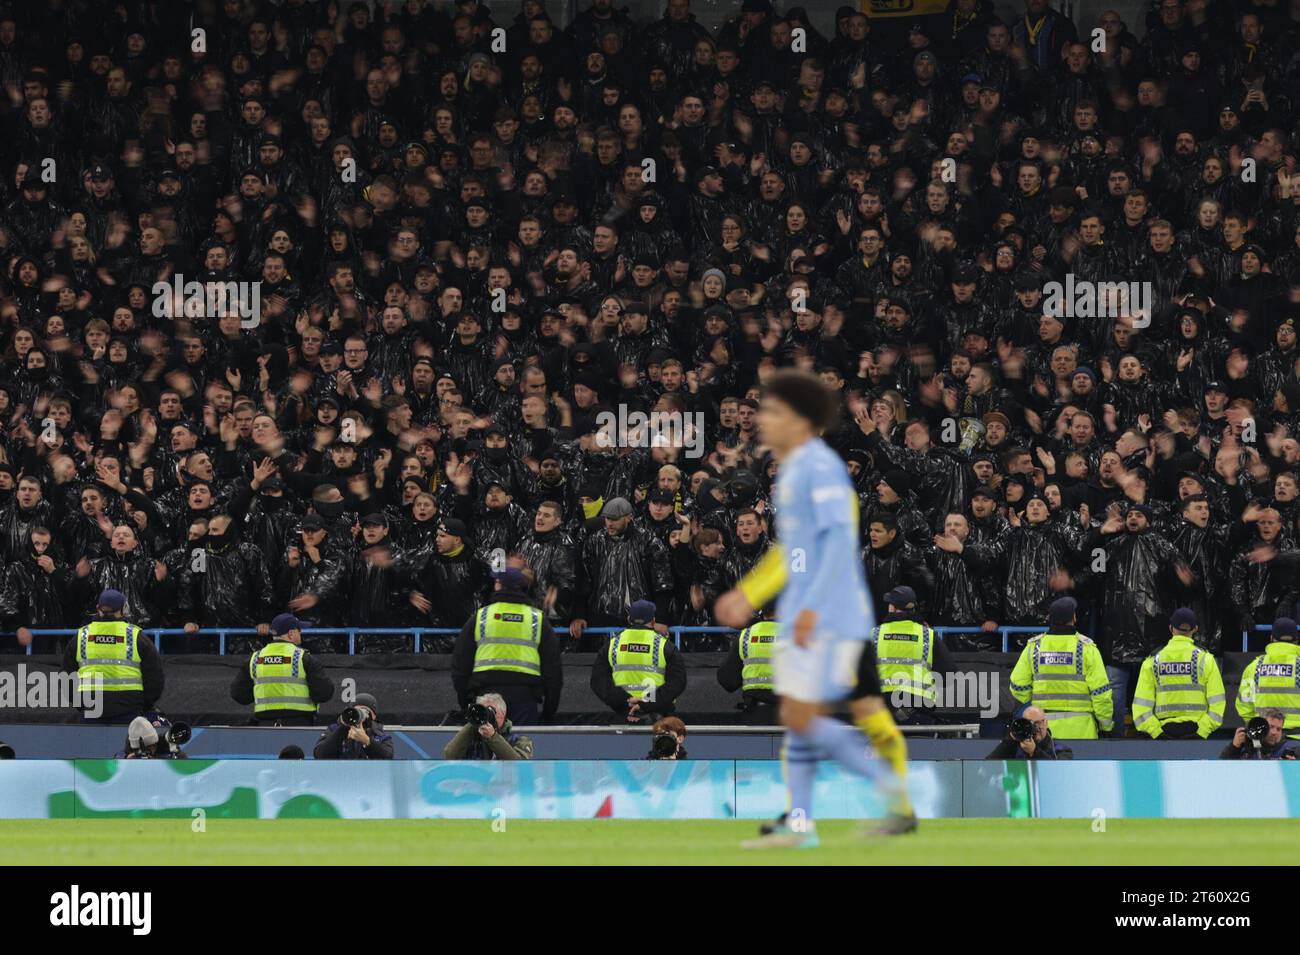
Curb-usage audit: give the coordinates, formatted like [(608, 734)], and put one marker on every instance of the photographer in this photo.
[(1028, 738), (486, 733), (1264, 737), (357, 734), (668, 740), (153, 736)]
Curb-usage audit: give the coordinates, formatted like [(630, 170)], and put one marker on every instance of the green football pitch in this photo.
[(1020, 842)]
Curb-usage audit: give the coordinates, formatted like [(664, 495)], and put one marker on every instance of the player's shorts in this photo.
[(868, 673), (822, 672)]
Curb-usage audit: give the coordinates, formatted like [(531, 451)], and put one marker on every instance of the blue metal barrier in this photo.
[(1245, 635), (1006, 633), (416, 633)]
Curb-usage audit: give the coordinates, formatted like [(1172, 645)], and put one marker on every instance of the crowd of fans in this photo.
[(475, 236)]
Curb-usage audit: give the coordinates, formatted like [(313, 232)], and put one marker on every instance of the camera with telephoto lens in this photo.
[(480, 714), (1022, 729), (1257, 729), (167, 737), (664, 746), (178, 734), (355, 716)]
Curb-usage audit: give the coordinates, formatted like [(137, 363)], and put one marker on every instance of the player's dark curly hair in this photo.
[(806, 396)]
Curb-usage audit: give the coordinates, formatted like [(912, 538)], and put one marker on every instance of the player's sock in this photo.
[(844, 744), (800, 771), (889, 742)]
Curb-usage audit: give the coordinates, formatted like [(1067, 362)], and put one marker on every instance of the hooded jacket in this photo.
[(898, 563), (132, 573), (221, 581), (323, 578), (1137, 594), (1031, 554), (1262, 590), (614, 572), (29, 597), (1205, 551), (959, 598), (454, 584), (379, 583), (16, 525), (551, 556)]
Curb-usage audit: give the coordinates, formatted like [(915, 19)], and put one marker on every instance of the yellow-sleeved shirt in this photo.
[(765, 579)]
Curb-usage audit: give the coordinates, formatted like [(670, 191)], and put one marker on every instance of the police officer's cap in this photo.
[(642, 611), (1061, 612), (283, 623), (901, 597), (1284, 628), (512, 578), (1182, 619), (112, 600)]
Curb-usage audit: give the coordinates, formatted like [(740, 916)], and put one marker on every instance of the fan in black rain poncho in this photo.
[(619, 564), (1033, 552), (1143, 569)]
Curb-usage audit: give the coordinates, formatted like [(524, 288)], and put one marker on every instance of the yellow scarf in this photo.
[(593, 509), (1032, 30)]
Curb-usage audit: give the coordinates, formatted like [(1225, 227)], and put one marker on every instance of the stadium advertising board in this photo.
[(563, 789)]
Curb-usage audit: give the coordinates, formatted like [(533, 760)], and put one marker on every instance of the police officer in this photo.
[(508, 648), (908, 652), (119, 671), (1179, 690), (1061, 672), (748, 668), (640, 673), (282, 680), (1272, 682)]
